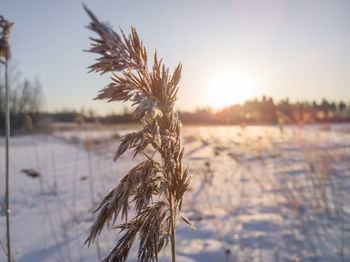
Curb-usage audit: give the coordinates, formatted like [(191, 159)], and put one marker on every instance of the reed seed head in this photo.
[(5, 27), (153, 188)]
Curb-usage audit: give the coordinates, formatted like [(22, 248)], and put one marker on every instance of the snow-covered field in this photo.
[(258, 193)]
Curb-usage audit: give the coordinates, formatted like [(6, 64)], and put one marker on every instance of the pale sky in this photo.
[(230, 50)]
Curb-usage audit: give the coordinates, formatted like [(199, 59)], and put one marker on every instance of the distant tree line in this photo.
[(255, 111), (89, 116), (27, 116), (26, 102), (266, 111)]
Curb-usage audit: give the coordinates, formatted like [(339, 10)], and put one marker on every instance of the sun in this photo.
[(231, 88)]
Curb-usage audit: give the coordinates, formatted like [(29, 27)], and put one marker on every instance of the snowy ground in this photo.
[(257, 194)]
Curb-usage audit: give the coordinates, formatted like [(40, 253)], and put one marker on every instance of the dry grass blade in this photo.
[(154, 189)]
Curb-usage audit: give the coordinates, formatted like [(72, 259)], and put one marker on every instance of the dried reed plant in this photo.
[(5, 27), (5, 54), (153, 188)]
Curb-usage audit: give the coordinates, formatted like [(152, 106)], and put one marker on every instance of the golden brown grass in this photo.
[(153, 188)]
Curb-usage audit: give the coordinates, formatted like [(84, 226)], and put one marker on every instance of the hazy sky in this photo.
[(296, 49)]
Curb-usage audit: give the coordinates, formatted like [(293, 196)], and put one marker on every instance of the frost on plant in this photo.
[(153, 188)]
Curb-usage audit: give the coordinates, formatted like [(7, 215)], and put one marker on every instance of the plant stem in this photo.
[(172, 229), (9, 253), (93, 202)]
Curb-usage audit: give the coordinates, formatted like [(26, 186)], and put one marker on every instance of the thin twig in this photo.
[(8, 235), (5, 53)]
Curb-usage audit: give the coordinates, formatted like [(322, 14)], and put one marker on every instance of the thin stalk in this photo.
[(93, 202), (7, 121), (172, 229)]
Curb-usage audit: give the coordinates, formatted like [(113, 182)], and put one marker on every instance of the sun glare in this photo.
[(231, 88)]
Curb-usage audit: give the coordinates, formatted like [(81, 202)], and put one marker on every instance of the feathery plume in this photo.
[(153, 188)]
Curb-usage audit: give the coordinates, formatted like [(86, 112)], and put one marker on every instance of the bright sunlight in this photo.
[(231, 88)]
